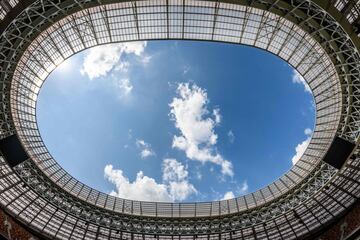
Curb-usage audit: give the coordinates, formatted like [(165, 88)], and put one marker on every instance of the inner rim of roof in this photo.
[(257, 28)]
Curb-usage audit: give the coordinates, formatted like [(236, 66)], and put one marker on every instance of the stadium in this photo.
[(318, 198)]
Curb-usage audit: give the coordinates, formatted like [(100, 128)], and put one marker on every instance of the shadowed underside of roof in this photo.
[(318, 39)]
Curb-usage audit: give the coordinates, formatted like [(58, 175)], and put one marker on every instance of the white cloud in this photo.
[(297, 78), (228, 195), (240, 190), (173, 170), (244, 187), (301, 147), (122, 66), (102, 59), (66, 65), (130, 133), (146, 59), (175, 186), (197, 137), (146, 153), (175, 174), (231, 136), (136, 48), (308, 131), (145, 148), (186, 69), (181, 190), (125, 87), (143, 188), (216, 113)]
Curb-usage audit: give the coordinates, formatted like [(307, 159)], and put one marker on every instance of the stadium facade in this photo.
[(315, 198)]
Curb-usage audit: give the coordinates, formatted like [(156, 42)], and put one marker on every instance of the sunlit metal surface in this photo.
[(302, 33), (243, 25)]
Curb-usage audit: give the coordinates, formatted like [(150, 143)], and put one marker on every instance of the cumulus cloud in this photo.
[(145, 148), (297, 78), (174, 170), (143, 188), (191, 116), (181, 190), (102, 59), (228, 195), (176, 176), (175, 185), (301, 147)]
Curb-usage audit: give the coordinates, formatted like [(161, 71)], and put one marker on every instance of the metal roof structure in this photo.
[(318, 38)]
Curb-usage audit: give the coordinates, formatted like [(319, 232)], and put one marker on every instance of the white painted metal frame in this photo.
[(300, 32)]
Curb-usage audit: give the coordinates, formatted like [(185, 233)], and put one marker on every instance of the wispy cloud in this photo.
[(191, 116), (231, 136), (122, 66), (241, 189), (175, 185), (186, 69), (301, 147), (297, 78), (217, 116), (125, 86), (146, 59), (145, 148)]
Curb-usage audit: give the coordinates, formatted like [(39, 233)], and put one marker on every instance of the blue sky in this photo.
[(175, 120)]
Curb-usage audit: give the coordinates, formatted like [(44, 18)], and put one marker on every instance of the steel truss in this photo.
[(36, 180), (305, 199)]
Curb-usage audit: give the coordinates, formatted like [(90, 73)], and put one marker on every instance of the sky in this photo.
[(177, 121)]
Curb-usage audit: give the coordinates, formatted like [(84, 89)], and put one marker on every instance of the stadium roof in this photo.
[(318, 39)]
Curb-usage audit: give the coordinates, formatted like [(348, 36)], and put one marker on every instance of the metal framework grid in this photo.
[(42, 195)]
